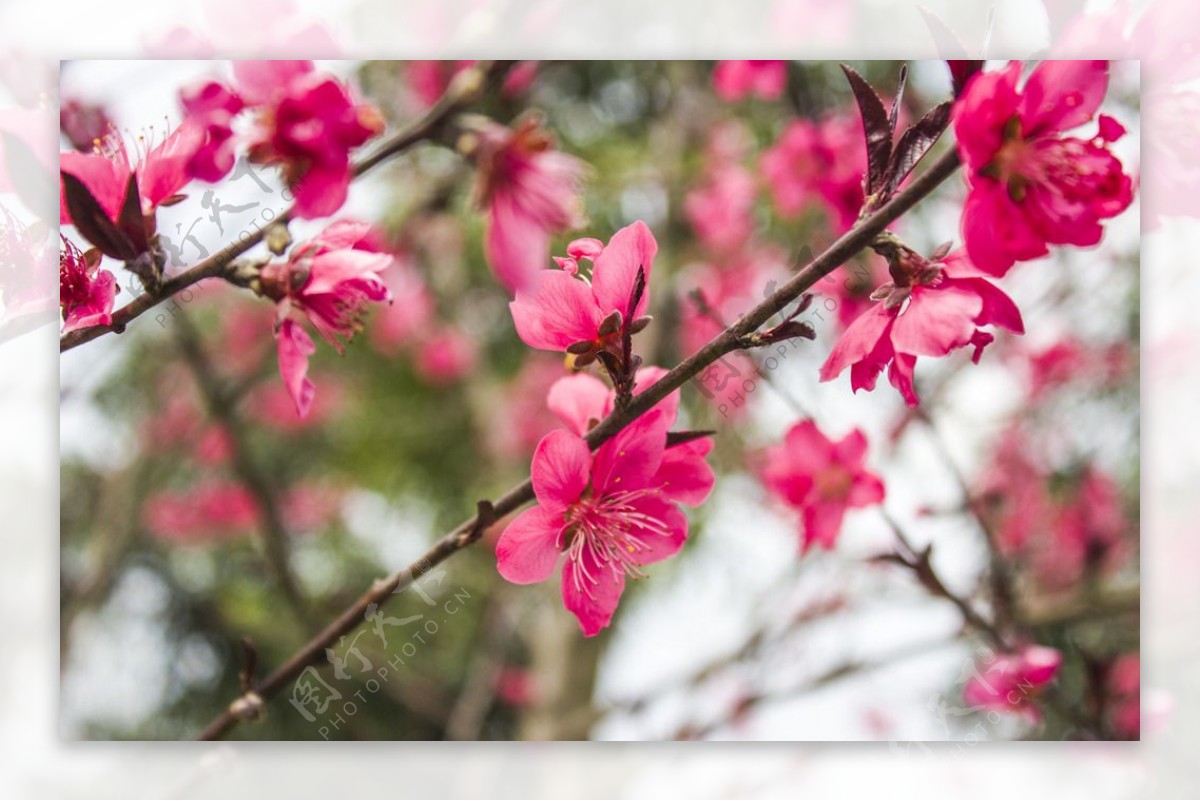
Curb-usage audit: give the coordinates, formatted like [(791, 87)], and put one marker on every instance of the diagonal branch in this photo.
[(467, 88), (732, 338)]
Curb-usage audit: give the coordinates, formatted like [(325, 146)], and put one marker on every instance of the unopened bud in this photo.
[(279, 239)]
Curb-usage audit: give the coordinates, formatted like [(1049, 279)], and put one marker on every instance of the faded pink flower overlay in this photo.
[(821, 479), (1031, 185)]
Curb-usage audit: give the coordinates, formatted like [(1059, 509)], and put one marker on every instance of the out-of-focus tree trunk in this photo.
[(564, 665)]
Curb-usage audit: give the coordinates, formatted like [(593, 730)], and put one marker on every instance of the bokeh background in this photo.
[(860, 29)]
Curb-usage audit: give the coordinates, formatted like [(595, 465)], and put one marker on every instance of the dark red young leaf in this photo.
[(961, 72), (895, 114), (915, 142), (680, 437), (876, 128), (93, 223)]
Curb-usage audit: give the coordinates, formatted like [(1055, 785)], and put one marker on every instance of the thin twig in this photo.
[(732, 338), (469, 86)]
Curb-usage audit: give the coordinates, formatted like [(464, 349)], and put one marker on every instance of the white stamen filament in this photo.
[(604, 530)]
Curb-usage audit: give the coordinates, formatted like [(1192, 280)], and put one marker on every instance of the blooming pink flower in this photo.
[(1030, 185), (160, 169), (86, 292), (820, 478), (328, 279), (580, 401), (304, 120), (607, 512), (932, 309), (445, 355), (818, 162), (561, 308), (1011, 682), (733, 80), (529, 191)]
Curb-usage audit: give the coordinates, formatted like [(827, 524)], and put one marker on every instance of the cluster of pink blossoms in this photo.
[(818, 163), (617, 510), (304, 120)]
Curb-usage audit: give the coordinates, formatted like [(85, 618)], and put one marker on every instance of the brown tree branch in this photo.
[(733, 338), (468, 86)]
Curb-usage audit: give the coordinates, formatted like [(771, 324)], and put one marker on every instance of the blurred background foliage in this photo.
[(168, 559)]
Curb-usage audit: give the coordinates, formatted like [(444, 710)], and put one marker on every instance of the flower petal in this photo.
[(295, 346), (591, 592), (578, 400), (528, 547), (616, 267), (561, 464), (1061, 95), (556, 312)]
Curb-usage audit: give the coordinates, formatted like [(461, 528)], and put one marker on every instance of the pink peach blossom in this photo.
[(328, 280), (606, 512), (820, 478), (529, 191), (160, 169), (733, 80), (1012, 682), (1030, 185), (581, 400), (931, 310), (561, 308), (304, 120), (86, 292)]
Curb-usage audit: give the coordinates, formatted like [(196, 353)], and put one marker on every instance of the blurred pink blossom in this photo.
[(821, 479), (529, 191), (734, 80), (1012, 682), (445, 355)]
